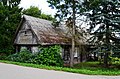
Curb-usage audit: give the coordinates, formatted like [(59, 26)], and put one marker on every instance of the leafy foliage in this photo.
[(3, 56), (47, 17), (46, 56), (49, 56), (10, 15), (23, 56), (34, 11), (115, 60)]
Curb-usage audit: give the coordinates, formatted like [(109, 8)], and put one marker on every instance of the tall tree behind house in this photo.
[(10, 15), (104, 20)]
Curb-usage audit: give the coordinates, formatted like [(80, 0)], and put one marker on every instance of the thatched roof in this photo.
[(46, 33)]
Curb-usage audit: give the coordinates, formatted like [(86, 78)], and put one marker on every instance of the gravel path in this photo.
[(9, 71)]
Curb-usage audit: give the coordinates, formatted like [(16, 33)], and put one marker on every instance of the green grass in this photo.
[(90, 68)]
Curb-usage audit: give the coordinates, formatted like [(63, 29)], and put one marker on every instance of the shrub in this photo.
[(23, 56), (115, 60), (3, 56), (49, 56)]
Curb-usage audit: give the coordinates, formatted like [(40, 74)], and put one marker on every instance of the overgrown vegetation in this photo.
[(24, 56), (3, 56), (49, 56), (10, 16)]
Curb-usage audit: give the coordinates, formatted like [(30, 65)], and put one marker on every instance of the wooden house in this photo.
[(34, 32)]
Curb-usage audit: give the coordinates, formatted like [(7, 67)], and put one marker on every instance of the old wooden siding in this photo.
[(25, 35)]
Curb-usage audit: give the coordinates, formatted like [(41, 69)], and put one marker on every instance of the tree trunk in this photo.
[(73, 37), (107, 45), (95, 56), (81, 57), (106, 59)]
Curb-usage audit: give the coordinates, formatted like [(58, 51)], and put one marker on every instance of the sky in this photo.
[(42, 4)]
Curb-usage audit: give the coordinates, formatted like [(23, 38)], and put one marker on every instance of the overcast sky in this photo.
[(42, 4)]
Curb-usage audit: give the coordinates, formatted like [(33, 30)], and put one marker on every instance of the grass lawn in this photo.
[(90, 68), (97, 69)]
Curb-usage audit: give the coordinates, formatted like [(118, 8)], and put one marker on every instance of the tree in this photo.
[(34, 11), (104, 20), (67, 10), (47, 17), (10, 15)]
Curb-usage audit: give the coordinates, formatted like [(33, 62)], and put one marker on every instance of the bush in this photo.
[(3, 56), (115, 60), (47, 56), (23, 56)]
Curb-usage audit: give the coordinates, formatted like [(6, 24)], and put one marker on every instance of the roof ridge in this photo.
[(25, 16)]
